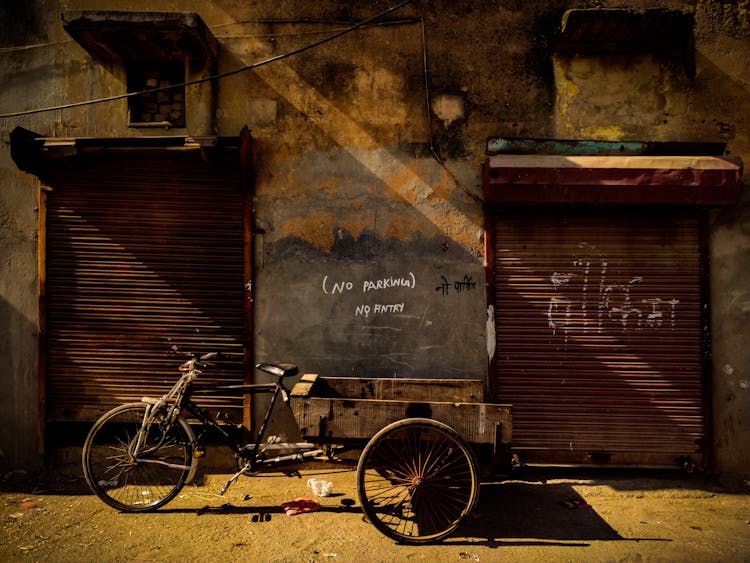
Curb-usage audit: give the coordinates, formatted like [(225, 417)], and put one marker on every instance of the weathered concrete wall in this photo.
[(368, 170), (620, 97), (18, 323), (722, 101), (366, 283), (730, 306), (349, 195), (26, 78)]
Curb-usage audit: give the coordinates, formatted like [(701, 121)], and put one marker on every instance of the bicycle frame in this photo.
[(275, 389), (179, 400)]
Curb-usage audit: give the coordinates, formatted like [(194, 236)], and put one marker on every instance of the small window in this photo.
[(165, 108)]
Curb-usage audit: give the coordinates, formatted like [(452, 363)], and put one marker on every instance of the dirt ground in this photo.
[(632, 516)]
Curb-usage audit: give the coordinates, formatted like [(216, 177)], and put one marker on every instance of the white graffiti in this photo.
[(341, 287), (568, 307), (386, 282), (378, 309), (336, 287)]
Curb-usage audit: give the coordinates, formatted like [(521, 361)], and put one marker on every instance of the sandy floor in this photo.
[(633, 516)]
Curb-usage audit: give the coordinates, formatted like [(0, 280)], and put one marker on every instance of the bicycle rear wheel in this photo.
[(135, 466), (417, 480)]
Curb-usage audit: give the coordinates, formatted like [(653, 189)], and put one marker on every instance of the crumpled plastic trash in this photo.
[(300, 506), (319, 487)]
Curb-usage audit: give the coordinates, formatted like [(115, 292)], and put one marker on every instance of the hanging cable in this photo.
[(427, 93), (221, 75), (35, 46)]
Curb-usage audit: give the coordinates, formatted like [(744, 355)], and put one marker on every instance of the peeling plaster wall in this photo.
[(730, 319), (18, 323), (730, 306), (348, 197), (720, 108), (358, 286), (368, 171), (27, 78), (619, 97)]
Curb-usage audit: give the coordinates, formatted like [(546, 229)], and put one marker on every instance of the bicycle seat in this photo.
[(279, 370)]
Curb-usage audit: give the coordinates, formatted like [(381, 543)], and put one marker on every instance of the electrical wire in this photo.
[(282, 56), (306, 21), (35, 46), (427, 93), (302, 33), (238, 36)]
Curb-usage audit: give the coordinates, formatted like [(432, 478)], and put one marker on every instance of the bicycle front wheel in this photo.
[(417, 480), (131, 463)]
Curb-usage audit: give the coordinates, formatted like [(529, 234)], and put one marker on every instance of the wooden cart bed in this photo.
[(353, 408)]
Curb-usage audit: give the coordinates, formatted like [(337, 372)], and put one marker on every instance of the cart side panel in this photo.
[(329, 419), (446, 390)]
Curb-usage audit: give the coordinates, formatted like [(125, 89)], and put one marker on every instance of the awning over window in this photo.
[(619, 30), (681, 180), (141, 36), (37, 154)]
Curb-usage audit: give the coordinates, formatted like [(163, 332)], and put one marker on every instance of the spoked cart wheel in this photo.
[(417, 480)]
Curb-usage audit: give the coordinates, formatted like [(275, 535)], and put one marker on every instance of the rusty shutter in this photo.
[(144, 257), (598, 319)]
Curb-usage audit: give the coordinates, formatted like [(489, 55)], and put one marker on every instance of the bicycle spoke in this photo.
[(417, 481), (133, 463)]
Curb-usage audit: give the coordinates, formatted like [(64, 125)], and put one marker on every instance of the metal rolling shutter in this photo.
[(598, 321), (143, 258)]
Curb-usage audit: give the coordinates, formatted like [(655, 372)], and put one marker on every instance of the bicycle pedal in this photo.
[(199, 452)]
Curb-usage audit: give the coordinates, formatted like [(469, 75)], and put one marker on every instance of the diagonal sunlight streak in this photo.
[(581, 336), (117, 254), (126, 261), (603, 339), (398, 174)]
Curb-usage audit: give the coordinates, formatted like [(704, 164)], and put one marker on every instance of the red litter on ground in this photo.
[(300, 506)]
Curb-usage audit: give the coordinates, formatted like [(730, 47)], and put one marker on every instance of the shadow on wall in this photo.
[(22, 23), (716, 121), (18, 402), (385, 146)]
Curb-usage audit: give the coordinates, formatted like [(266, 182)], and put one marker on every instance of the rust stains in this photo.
[(318, 229)]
